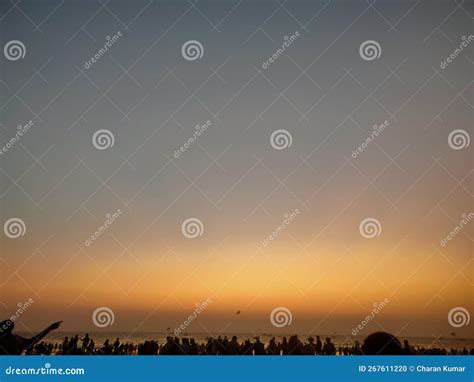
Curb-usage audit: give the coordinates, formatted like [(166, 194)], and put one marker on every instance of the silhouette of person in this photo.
[(225, 343), (407, 349), (246, 348), (272, 348), (258, 347), (90, 348), (221, 345), (115, 346), (12, 344), (72, 348), (329, 348), (106, 348), (149, 348), (319, 345), (284, 346), (167, 348), (357, 350), (295, 347), (85, 343), (65, 345), (233, 347), (310, 348), (193, 347), (382, 343), (185, 346)]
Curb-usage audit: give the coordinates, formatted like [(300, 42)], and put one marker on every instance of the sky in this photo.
[(413, 179)]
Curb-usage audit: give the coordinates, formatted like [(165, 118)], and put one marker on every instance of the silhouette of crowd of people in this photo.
[(379, 343)]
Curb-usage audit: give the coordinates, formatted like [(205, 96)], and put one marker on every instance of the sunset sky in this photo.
[(320, 90)]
